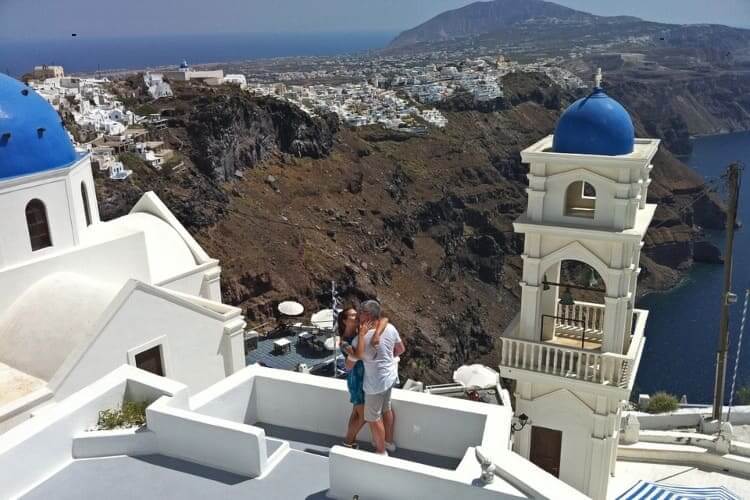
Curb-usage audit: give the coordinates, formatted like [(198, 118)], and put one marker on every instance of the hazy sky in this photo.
[(53, 18)]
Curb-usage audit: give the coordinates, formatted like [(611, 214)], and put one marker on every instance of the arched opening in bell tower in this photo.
[(580, 200), (572, 306)]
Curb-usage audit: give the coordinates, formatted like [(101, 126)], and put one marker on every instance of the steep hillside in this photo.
[(424, 223)]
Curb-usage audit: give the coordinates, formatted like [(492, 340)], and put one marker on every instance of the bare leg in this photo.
[(389, 419), (356, 422), (378, 435)]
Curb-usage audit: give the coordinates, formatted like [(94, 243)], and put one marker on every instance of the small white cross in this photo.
[(598, 78)]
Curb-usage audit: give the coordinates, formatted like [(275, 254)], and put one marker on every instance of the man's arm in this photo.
[(379, 329), (399, 349), (359, 352)]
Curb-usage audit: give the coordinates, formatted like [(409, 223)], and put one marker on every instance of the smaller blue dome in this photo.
[(595, 125), (184, 64), (32, 136)]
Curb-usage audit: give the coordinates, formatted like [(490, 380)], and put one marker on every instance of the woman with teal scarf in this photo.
[(348, 329)]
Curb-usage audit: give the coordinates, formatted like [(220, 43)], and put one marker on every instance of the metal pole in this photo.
[(727, 297), (739, 350)]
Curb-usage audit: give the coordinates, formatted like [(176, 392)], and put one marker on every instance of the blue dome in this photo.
[(595, 125), (32, 136), (184, 64)]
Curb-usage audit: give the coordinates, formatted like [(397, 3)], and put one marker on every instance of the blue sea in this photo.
[(683, 325), (83, 54)]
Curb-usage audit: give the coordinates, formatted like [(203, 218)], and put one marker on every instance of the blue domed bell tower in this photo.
[(574, 361), (47, 191), (595, 125)]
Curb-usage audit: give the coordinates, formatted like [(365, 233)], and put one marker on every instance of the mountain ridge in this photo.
[(484, 17), (506, 20)]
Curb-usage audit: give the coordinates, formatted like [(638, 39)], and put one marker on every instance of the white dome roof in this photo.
[(167, 253)]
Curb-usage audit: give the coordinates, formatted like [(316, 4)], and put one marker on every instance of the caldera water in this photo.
[(683, 324)]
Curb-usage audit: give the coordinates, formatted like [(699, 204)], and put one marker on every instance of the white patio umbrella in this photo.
[(322, 318), (476, 376), (291, 308)]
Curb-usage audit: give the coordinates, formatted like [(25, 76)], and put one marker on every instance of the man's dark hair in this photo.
[(371, 308)]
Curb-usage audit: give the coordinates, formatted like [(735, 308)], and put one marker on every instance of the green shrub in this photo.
[(743, 395), (132, 414), (147, 109), (662, 402)]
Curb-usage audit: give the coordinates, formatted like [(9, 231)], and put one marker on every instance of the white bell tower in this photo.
[(574, 362)]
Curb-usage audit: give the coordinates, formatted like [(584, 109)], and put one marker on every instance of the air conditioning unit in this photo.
[(282, 346)]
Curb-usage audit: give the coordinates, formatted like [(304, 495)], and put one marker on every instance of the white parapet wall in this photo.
[(132, 442), (687, 417), (41, 446), (214, 442), (215, 429), (427, 423)]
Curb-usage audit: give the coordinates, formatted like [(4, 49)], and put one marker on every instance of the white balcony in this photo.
[(578, 326), (574, 351)]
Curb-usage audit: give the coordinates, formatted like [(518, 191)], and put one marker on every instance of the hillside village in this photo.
[(396, 93)]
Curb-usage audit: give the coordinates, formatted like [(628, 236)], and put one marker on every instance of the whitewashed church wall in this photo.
[(97, 262), (82, 174), (191, 350), (577, 428), (15, 245), (191, 283)]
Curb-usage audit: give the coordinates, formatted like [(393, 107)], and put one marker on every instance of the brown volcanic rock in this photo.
[(232, 132)]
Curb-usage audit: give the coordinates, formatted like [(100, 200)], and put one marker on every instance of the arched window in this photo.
[(580, 200), (36, 220), (86, 210)]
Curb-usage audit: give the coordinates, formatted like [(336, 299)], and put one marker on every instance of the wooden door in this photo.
[(546, 445), (150, 361)]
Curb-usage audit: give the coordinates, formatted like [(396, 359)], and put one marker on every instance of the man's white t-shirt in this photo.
[(381, 368)]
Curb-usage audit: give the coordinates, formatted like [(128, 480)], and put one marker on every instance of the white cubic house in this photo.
[(79, 296)]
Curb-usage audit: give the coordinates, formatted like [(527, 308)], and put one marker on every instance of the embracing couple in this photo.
[(372, 347)]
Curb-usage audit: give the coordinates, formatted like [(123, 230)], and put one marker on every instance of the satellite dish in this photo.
[(323, 318), (291, 308)]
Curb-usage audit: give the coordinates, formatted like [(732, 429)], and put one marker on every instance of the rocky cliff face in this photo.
[(424, 223), (217, 135), (676, 109), (230, 133)]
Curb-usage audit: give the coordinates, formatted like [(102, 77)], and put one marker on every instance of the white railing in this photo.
[(579, 319), (612, 369), (552, 359)]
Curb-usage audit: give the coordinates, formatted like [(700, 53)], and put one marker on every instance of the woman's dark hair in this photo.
[(340, 320)]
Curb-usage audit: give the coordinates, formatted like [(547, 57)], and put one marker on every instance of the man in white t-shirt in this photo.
[(381, 374)]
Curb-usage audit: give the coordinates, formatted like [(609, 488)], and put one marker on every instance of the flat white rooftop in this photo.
[(261, 433), (299, 476), (15, 384)]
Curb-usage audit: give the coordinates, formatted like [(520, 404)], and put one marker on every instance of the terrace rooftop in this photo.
[(299, 476), (262, 433)]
